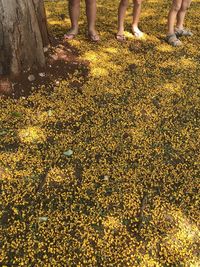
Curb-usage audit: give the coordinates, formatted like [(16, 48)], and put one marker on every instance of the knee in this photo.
[(185, 6), (176, 7), (138, 2), (74, 3), (124, 3), (91, 2)]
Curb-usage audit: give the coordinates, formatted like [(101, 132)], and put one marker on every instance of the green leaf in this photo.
[(3, 132), (68, 153), (43, 219), (16, 114), (49, 112)]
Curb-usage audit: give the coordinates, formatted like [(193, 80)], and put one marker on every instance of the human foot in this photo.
[(137, 32), (71, 34), (93, 36), (183, 32), (173, 40), (120, 37)]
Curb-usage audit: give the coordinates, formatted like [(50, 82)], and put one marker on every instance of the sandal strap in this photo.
[(173, 35), (183, 32), (173, 40), (69, 35), (138, 34), (120, 37), (94, 38)]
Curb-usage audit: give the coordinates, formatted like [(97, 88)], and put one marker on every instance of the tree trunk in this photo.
[(21, 41), (42, 21)]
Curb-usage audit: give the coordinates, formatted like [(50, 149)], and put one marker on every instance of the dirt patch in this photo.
[(62, 61), (6, 86)]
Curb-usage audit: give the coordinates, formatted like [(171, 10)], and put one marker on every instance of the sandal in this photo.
[(120, 37), (94, 38), (173, 40), (138, 34), (183, 32), (69, 36)]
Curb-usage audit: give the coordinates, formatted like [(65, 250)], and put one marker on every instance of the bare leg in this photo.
[(175, 8), (136, 17), (91, 10), (74, 12), (182, 12), (171, 37), (121, 16)]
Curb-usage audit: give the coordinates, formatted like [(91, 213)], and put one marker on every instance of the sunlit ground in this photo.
[(109, 176)]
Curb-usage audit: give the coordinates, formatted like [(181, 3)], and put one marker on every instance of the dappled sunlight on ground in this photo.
[(31, 134)]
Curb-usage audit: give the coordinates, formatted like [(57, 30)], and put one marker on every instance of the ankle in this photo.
[(92, 30), (135, 27), (74, 28), (120, 31), (170, 31), (179, 27)]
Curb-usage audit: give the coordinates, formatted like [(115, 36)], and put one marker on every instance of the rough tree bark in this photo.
[(23, 29), (42, 21)]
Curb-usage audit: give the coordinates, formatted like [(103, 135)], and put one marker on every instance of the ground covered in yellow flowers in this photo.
[(106, 174)]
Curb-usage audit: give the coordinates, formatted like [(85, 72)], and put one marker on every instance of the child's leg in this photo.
[(121, 16), (136, 17), (181, 14), (175, 8), (74, 11), (91, 10)]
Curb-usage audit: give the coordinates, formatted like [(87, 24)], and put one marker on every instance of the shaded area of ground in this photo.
[(62, 61)]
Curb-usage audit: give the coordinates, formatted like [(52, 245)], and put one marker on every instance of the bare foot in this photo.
[(120, 36), (93, 36), (71, 34)]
